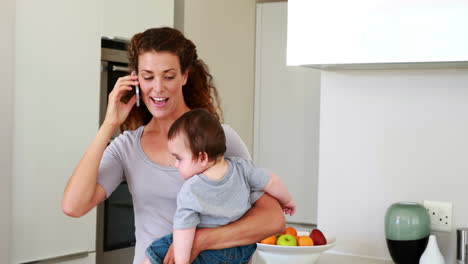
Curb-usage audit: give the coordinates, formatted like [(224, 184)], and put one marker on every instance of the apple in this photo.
[(286, 240), (318, 237)]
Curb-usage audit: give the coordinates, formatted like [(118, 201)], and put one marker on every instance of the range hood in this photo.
[(365, 34)]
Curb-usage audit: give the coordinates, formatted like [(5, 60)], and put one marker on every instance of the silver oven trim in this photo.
[(114, 55), (103, 93), (120, 68)]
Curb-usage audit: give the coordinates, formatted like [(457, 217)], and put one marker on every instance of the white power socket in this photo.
[(440, 214)]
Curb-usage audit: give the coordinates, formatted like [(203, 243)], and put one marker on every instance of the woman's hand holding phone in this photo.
[(117, 111)]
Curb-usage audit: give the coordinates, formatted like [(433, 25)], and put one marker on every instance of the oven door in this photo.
[(115, 238), (119, 221)]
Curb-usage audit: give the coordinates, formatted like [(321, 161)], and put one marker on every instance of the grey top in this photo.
[(209, 203), (154, 187)]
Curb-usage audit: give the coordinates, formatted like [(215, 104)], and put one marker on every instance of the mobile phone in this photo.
[(137, 94)]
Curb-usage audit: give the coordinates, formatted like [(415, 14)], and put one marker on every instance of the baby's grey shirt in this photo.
[(153, 186), (202, 202)]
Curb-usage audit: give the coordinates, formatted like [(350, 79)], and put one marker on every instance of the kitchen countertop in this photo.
[(330, 258), (334, 258)]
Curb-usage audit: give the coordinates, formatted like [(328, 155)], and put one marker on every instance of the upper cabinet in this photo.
[(123, 18), (373, 34)]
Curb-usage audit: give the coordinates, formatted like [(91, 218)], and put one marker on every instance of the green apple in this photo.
[(286, 240)]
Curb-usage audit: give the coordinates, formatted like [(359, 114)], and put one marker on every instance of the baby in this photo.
[(217, 190)]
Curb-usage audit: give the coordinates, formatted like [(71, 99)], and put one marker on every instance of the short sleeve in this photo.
[(111, 172), (235, 147), (256, 177), (187, 214)]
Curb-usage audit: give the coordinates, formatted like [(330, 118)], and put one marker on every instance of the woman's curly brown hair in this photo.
[(199, 91)]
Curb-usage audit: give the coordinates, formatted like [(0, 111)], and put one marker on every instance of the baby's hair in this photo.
[(202, 132)]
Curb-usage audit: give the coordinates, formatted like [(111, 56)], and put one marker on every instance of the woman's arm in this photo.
[(264, 219), (82, 192)]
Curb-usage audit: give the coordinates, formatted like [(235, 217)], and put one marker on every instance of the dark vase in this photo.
[(407, 230)]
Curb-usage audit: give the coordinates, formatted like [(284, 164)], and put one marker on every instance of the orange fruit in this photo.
[(291, 230), (271, 240), (304, 241)]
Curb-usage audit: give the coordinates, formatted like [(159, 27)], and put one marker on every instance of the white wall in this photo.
[(287, 111), (389, 136), (56, 111), (224, 32), (7, 20)]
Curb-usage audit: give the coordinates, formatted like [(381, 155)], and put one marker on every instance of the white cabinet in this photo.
[(7, 21), (123, 18), (55, 118), (87, 259), (56, 115), (286, 126), (339, 32)]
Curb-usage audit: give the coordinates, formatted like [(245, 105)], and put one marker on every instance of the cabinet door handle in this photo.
[(59, 258)]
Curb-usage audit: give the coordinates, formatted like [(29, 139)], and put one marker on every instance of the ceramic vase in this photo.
[(432, 253), (407, 230)]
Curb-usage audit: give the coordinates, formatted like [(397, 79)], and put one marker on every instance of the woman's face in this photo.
[(161, 84)]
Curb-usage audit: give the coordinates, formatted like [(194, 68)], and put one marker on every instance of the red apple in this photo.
[(318, 237)]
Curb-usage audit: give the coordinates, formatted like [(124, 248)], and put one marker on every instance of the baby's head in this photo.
[(197, 140)]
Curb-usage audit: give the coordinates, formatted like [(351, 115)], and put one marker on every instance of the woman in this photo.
[(172, 80)]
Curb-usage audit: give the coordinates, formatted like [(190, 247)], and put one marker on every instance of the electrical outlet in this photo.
[(440, 214)]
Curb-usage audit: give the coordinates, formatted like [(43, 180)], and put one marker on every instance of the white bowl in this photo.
[(272, 254)]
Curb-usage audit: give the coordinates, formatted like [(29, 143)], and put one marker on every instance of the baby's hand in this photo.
[(289, 208)]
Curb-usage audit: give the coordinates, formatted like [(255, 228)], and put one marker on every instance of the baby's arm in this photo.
[(276, 188), (183, 240)]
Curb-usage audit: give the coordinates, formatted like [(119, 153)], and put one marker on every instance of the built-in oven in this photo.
[(115, 230)]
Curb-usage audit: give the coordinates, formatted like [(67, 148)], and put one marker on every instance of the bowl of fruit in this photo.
[(292, 246)]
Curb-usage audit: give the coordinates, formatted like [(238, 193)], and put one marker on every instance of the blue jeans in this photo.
[(236, 255)]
